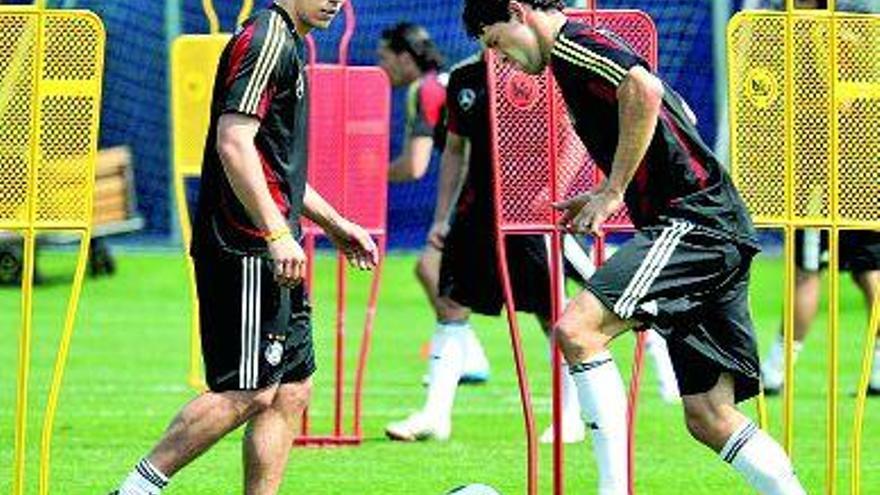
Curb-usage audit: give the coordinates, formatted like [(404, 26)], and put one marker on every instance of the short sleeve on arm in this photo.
[(253, 60), (426, 103)]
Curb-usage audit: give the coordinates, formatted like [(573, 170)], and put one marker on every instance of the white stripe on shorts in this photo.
[(255, 324), (657, 258), (243, 354)]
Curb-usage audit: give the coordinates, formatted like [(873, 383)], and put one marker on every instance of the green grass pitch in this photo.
[(126, 378)]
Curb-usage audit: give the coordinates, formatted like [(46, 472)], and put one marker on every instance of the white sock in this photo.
[(444, 370), (475, 360), (655, 344), (144, 479), (603, 402), (761, 461), (571, 408), (875, 368), (773, 368)]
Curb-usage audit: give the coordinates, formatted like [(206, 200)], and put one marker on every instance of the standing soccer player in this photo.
[(255, 318), (410, 57), (685, 272)]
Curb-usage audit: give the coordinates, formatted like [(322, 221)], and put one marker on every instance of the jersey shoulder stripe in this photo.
[(579, 55), (270, 52)]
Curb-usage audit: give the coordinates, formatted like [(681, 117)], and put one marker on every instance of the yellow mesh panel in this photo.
[(194, 61), (786, 110), (65, 173), (69, 44), (811, 120), (51, 67), (858, 113), (72, 50), (758, 119), (17, 43)]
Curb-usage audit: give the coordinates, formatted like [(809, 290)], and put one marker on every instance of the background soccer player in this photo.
[(464, 231), (255, 316), (859, 250), (410, 58), (685, 272), (859, 254)]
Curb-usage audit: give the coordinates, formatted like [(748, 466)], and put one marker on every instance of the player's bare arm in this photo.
[(413, 161), (241, 162), (349, 237), (640, 97), (453, 170)]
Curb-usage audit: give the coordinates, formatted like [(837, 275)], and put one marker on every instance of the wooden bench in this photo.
[(115, 213)]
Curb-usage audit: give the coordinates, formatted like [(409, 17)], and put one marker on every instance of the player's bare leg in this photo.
[(450, 346), (452, 343), (269, 436), (584, 332), (198, 426), (713, 420), (572, 425), (869, 282), (806, 305)]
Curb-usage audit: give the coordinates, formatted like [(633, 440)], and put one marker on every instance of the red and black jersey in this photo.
[(467, 105), (260, 74), (425, 116), (680, 177)]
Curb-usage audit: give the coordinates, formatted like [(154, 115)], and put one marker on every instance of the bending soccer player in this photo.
[(409, 56), (860, 255), (255, 318), (685, 272), (464, 231)]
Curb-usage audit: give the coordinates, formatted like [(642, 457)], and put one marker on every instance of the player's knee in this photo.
[(577, 338), (262, 399), (704, 424), (423, 271), (698, 424), (295, 397)]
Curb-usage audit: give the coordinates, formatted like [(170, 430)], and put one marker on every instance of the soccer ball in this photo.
[(474, 489)]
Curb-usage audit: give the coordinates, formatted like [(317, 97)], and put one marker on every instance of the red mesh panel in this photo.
[(538, 157), (326, 85), (369, 114), (352, 178)]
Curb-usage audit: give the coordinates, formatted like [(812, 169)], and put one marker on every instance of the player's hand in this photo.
[(437, 234), (356, 243), (289, 260), (587, 212)]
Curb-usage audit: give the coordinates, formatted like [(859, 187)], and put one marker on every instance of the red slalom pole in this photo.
[(632, 409)]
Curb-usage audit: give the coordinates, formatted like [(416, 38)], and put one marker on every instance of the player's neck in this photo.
[(301, 27), (547, 28)]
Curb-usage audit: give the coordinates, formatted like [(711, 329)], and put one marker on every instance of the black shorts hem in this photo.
[(604, 299)]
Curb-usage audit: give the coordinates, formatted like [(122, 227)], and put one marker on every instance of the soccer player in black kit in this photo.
[(686, 270), (255, 318)]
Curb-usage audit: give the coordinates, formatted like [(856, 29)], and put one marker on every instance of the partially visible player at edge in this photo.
[(255, 317), (408, 54), (686, 270)]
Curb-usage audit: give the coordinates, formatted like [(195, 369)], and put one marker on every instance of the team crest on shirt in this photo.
[(273, 353), (466, 99)]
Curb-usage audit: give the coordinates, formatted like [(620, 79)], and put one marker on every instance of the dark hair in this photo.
[(481, 13), (415, 40)]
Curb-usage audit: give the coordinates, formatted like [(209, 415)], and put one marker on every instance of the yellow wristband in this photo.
[(274, 235)]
